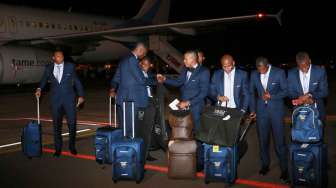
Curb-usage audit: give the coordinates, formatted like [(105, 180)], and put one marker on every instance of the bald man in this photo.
[(230, 85)]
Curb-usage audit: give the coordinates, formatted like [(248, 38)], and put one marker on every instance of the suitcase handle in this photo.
[(38, 109), (124, 118), (110, 112)]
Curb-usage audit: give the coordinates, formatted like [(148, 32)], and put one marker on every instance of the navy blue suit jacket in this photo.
[(196, 88), (130, 82), (318, 85), (241, 92), (276, 86), (66, 90)]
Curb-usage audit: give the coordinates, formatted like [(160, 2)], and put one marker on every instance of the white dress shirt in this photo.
[(229, 88), (264, 78), (58, 71), (305, 79), (148, 87)]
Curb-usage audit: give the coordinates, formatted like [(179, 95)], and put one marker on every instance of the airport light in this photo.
[(260, 15)]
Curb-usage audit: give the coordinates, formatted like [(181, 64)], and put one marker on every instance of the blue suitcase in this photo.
[(220, 163), (309, 164), (105, 136), (127, 155), (31, 138)]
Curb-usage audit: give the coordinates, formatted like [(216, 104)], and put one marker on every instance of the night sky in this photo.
[(308, 26)]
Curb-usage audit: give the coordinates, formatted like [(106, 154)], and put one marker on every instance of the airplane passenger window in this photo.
[(34, 24), (53, 26), (40, 24), (76, 27)]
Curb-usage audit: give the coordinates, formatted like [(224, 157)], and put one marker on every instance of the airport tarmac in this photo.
[(82, 170)]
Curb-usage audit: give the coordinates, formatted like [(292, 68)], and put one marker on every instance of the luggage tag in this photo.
[(215, 148)]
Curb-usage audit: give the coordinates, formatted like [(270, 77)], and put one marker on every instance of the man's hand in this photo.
[(305, 99), (160, 78), (223, 98), (266, 96), (38, 93), (80, 101), (183, 104), (253, 115), (112, 93)]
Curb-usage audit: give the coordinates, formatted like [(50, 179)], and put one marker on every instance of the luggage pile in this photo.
[(308, 153), (125, 154), (181, 147), (223, 132)]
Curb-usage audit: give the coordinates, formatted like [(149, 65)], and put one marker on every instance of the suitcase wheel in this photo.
[(115, 181), (138, 181), (206, 182)]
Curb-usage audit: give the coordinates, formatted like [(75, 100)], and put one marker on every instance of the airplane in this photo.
[(28, 37)]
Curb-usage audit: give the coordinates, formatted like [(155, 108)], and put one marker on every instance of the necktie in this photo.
[(305, 83), (264, 81), (58, 73)]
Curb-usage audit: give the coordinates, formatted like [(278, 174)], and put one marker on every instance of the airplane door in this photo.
[(2, 25), (12, 24)]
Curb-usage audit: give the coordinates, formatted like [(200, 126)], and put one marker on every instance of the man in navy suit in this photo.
[(194, 85), (230, 85), (308, 83), (268, 87), (64, 86), (130, 84)]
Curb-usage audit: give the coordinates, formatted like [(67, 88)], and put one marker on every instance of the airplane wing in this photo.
[(126, 32)]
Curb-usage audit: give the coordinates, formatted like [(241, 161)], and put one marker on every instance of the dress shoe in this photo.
[(284, 176), (264, 170), (73, 151), (57, 154), (150, 158)]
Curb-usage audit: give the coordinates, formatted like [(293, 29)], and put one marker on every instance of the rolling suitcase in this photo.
[(309, 164), (221, 162), (31, 138), (182, 159), (127, 155), (105, 136)]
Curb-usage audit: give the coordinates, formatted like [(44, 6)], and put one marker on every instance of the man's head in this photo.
[(140, 50), (190, 59), (201, 57), (228, 63), (58, 57), (145, 64), (303, 61), (262, 65)]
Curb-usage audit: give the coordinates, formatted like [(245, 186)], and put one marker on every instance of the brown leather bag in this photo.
[(181, 123), (182, 159)]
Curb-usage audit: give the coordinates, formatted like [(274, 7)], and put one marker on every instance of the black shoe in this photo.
[(150, 158), (284, 176), (57, 154), (264, 170), (73, 151)]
